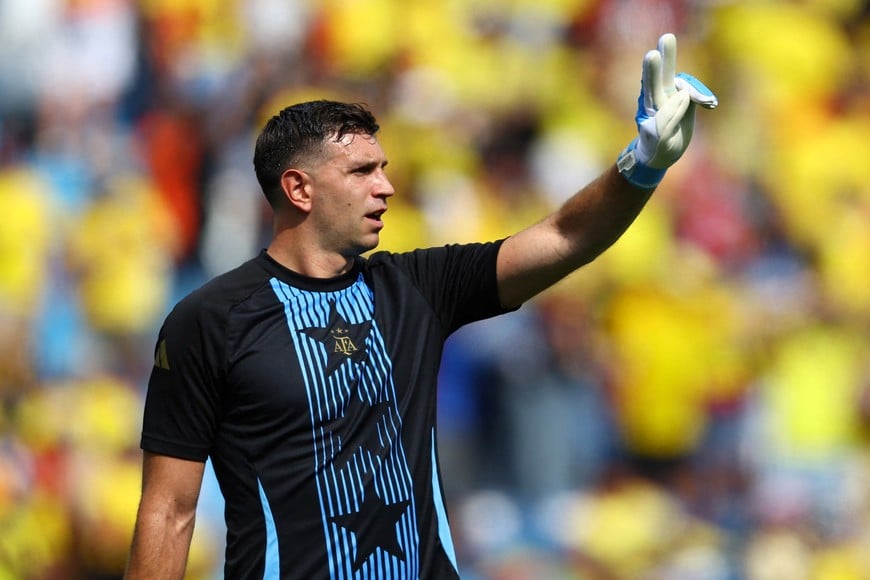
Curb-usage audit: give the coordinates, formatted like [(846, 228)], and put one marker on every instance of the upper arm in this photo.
[(167, 512), (531, 261), (586, 225), (185, 389), (171, 483)]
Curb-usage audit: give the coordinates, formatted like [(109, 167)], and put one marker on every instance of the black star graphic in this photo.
[(374, 526), (342, 339), (358, 428)]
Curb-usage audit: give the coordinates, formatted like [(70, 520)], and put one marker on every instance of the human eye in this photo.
[(364, 169)]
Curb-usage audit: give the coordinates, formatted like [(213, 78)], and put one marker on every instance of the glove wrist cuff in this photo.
[(636, 172)]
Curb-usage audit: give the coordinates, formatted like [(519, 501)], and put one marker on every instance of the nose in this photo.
[(384, 186)]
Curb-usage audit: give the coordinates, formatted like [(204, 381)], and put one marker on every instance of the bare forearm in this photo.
[(584, 227), (595, 217), (161, 542)]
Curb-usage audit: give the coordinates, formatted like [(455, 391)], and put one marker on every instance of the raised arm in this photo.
[(586, 225), (597, 215), (164, 524)]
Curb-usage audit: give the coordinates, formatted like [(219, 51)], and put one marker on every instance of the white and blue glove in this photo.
[(665, 116)]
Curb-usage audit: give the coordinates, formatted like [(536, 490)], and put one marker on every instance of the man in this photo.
[(308, 374)]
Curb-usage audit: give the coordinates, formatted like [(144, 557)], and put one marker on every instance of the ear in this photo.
[(296, 185)]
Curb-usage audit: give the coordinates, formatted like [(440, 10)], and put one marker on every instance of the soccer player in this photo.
[(308, 374)]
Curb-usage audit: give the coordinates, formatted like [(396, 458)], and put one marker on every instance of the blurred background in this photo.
[(693, 405)]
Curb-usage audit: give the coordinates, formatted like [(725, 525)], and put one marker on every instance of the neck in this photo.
[(306, 260)]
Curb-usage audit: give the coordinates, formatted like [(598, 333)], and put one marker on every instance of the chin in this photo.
[(365, 246)]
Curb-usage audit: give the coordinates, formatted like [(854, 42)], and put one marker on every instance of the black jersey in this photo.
[(316, 401)]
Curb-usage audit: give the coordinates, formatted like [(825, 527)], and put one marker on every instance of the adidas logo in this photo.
[(161, 360)]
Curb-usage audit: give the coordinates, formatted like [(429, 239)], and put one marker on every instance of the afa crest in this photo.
[(343, 340)]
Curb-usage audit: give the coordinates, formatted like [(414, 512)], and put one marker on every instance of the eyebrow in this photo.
[(369, 165)]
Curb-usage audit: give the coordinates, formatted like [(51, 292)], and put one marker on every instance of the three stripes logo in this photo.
[(161, 360)]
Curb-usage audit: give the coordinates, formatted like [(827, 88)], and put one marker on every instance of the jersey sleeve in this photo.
[(183, 399), (458, 280)]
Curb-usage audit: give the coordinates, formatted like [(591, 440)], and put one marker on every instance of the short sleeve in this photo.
[(184, 392), (459, 280)]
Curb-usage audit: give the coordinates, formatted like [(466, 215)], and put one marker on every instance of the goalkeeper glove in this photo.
[(665, 116)]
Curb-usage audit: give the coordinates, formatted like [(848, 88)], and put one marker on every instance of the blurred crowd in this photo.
[(695, 404)]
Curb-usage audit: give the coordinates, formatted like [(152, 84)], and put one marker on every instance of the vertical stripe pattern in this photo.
[(443, 525), (379, 466), (273, 564)]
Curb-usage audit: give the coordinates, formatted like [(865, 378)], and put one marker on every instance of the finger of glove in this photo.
[(654, 93), (687, 125), (698, 91), (670, 115), (674, 123), (668, 49)]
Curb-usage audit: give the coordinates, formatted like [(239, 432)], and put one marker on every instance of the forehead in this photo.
[(354, 147)]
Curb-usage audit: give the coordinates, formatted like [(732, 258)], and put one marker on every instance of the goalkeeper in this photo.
[(308, 373)]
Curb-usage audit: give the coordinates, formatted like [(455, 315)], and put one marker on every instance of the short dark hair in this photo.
[(300, 131)]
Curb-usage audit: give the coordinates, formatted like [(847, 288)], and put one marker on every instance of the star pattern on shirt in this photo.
[(362, 426), (342, 339), (374, 525)]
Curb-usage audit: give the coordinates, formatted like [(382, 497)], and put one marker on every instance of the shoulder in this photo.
[(216, 298), (455, 273), (435, 256)]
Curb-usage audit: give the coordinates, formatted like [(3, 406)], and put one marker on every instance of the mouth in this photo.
[(376, 217)]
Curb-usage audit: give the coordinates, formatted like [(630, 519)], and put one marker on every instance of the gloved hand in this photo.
[(665, 116)]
